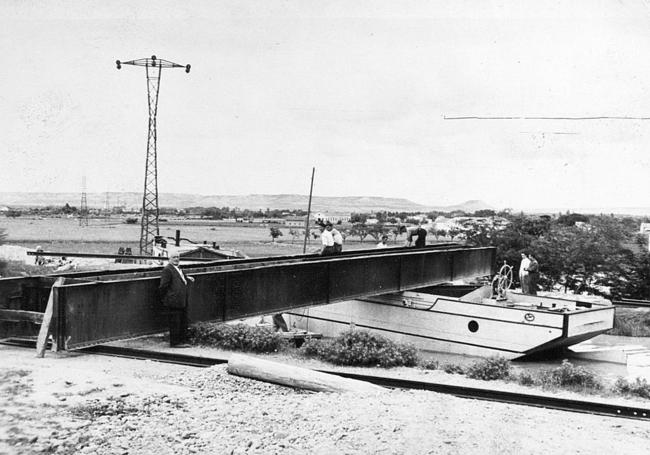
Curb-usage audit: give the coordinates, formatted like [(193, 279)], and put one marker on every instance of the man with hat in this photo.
[(173, 289)]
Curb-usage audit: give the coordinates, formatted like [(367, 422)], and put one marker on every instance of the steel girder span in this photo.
[(88, 313)]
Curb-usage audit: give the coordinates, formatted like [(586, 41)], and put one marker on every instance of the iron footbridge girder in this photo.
[(91, 310)]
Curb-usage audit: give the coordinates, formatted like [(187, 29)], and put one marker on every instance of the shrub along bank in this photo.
[(362, 348)]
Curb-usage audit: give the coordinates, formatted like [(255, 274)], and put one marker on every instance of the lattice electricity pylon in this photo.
[(149, 225), (83, 210)]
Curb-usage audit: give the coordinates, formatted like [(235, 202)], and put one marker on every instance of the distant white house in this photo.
[(333, 218), (445, 224)]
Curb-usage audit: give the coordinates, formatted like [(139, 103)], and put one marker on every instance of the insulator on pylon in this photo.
[(119, 64), (187, 68)]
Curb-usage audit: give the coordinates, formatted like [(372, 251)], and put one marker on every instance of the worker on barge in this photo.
[(533, 274), (524, 278)]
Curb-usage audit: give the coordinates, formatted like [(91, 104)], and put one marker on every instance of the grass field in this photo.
[(106, 236)]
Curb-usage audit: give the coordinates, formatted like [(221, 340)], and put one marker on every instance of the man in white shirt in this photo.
[(523, 273), (327, 240)]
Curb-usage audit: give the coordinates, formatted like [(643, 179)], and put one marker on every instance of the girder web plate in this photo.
[(123, 308)]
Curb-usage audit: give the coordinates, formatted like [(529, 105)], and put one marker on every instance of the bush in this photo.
[(489, 369), (570, 376), (525, 378), (429, 365), (361, 348), (639, 387), (452, 368), (240, 337)]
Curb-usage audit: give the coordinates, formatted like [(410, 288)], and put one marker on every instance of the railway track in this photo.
[(477, 393)]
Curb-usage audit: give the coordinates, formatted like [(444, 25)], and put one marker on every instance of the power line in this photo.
[(600, 117)]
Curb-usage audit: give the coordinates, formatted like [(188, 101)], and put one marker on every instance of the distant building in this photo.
[(295, 221), (333, 218), (445, 224)]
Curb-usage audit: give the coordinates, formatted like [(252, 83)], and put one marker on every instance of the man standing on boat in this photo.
[(533, 274), (523, 273), (421, 235), (173, 290)]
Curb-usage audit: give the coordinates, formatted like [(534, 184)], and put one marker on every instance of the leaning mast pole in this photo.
[(311, 188)]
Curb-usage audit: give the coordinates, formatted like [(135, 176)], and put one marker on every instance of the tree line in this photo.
[(597, 254)]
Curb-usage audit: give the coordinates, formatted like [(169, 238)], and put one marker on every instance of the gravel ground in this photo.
[(72, 403)]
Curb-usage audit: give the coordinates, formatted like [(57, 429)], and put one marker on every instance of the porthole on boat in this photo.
[(472, 326)]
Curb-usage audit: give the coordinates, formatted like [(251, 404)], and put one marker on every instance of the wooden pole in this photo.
[(311, 189), (43, 333), (302, 378)]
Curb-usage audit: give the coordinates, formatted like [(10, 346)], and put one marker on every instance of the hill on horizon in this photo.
[(250, 201)]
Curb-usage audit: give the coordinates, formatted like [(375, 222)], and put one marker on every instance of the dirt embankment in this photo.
[(69, 403)]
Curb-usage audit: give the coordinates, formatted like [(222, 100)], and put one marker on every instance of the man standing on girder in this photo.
[(174, 296), (338, 240), (421, 235), (327, 240)]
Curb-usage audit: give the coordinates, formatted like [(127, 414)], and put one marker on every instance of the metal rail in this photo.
[(94, 307), (476, 393), (114, 256), (227, 262), (632, 303)]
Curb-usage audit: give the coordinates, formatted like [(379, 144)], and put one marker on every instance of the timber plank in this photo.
[(292, 376), (41, 343)]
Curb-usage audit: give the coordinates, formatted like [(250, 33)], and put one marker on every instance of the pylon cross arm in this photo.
[(153, 62)]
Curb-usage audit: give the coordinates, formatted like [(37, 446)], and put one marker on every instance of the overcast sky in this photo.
[(363, 91)]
